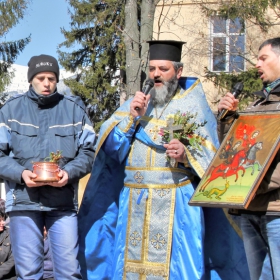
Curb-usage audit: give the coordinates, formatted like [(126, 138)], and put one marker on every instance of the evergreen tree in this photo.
[(253, 11), (99, 61), (11, 11), (111, 57)]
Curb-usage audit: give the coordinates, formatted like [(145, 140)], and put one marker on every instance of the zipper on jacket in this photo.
[(14, 199)]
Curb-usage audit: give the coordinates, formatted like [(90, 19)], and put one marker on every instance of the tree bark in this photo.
[(131, 40), (135, 38), (148, 8)]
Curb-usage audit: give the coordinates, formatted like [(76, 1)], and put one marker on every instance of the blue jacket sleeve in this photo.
[(10, 169), (82, 163)]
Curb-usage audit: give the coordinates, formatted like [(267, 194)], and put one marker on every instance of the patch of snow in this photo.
[(20, 84)]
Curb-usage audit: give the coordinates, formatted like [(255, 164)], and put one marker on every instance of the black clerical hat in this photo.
[(166, 50)]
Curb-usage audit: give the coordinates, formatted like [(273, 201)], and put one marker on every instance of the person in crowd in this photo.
[(2, 205), (3, 209), (32, 126), (134, 220), (7, 264), (260, 222)]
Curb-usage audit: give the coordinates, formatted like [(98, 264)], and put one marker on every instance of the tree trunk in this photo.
[(148, 8), (131, 40), (135, 42)]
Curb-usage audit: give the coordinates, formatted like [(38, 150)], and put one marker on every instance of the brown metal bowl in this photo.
[(46, 171)]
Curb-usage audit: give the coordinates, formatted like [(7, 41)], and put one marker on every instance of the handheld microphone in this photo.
[(149, 84), (237, 89)]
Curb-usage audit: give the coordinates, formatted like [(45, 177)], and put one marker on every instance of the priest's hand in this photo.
[(175, 149), (139, 104)]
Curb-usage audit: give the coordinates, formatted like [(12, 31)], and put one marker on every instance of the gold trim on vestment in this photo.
[(128, 227), (186, 92), (147, 227), (155, 186), (135, 168), (170, 233), (129, 124), (153, 154), (198, 168), (105, 135), (143, 266), (206, 143), (153, 120), (121, 114), (146, 269), (148, 156), (129, 158)]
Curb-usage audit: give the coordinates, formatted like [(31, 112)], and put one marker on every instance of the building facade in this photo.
[(212, 43)]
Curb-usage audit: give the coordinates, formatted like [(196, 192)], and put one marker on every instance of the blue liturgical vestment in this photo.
[(135, 221)]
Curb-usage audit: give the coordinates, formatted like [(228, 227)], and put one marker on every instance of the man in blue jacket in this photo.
[(33, 125)]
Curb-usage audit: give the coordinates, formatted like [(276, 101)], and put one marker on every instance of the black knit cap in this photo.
[(42, 63), (166, 50)]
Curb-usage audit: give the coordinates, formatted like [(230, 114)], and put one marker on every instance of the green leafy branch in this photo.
[(188, 135)]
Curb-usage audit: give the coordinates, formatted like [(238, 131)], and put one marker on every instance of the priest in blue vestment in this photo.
[(134, 220)]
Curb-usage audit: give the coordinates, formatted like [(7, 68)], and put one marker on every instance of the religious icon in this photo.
[(239, 165)]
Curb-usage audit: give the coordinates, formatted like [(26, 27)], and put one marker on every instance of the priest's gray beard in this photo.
[(160, 96)]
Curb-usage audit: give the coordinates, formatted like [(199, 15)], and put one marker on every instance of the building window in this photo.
[(227, 45)]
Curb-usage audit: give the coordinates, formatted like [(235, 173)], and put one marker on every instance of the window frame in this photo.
[(228, 35)]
